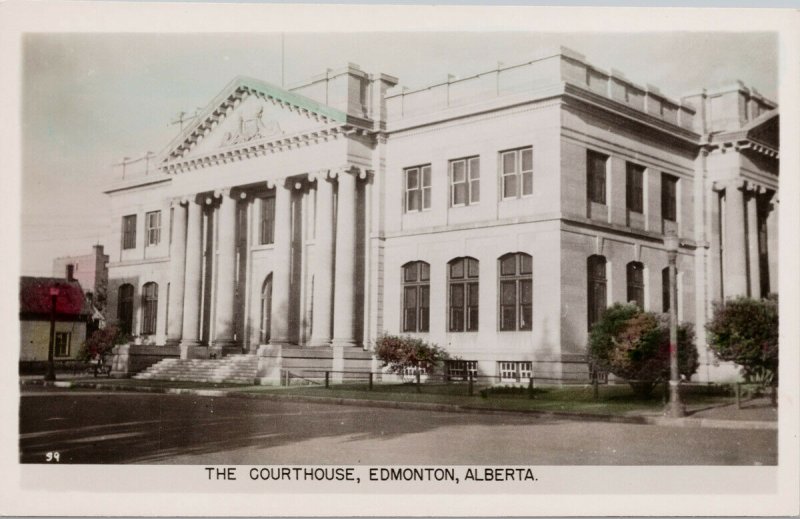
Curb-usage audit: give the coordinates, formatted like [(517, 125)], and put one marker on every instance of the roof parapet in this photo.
[(550, 66)]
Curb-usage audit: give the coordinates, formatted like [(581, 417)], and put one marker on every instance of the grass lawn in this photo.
[(613, 399)]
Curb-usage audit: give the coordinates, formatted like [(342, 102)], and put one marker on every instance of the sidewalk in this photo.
[(754, 414)]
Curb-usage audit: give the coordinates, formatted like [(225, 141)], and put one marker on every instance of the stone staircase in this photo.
[(240, 369)]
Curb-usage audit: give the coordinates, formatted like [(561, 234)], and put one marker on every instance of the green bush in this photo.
[(745, 331), (401, 352), (634, 345)]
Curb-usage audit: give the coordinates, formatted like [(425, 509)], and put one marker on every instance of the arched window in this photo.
[(149, 308), (416, 296), (596, 292), (635, 275), (125, 308), (516, 291), (463, 294), (266, 309)]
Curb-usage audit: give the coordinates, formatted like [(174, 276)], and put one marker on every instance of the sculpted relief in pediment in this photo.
[(251, 128), (252, 121)]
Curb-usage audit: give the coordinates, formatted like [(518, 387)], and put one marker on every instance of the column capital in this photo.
[(320, 174), (185, 200), (754, 189), (351, 169), (731, 183), (300, 183), (223, 192), (278, 182)]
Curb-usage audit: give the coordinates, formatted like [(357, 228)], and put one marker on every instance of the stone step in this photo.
[(240, 369)]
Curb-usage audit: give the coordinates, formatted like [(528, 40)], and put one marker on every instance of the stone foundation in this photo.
[(129, 359)]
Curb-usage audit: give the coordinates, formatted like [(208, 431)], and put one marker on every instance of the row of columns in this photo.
[(333, 265), (741, 253)]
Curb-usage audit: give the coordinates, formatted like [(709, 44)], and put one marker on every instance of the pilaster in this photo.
[(177, 271), (754, 288), (734, 247), (323, 262), (190, 340), (281, 272), (345, 279)]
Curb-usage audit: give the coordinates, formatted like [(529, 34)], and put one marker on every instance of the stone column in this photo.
[(177, 273), (735, 271), (772, 243), (343, 299), (281, 265), (752, 244), (226, 273), (323, 263), (190, 339)]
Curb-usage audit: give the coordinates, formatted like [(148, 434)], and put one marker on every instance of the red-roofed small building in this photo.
[(35, 305)]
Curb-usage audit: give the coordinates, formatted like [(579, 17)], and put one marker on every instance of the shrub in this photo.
[(401, 352), (634, 345), (745, 331), (100, 343)]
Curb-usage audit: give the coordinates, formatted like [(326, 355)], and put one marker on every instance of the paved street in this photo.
[(87, 426)]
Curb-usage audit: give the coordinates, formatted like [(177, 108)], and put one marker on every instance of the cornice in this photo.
[(133, 263), (261, 148), (739, 141), (636, 116), (137, 182)]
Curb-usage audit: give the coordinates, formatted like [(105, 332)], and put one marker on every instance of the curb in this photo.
[(423, 406)]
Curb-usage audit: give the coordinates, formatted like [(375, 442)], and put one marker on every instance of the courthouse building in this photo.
[(495, 215)]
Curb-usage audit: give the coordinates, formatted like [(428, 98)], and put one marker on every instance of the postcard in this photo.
[(351, 260)]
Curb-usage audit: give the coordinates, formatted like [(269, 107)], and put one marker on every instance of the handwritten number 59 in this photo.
[(53, 456)]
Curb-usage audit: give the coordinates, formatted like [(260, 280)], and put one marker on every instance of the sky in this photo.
[(91, 99)]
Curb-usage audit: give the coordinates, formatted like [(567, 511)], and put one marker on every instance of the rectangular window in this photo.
[(508, 305), (465, 184), (417, 188), (596, 164), (153, 222), (669, 197), (129, 231), (635, 274), (416, 296), (516, 292), (515, 371), (267, 221), (62, 344), (461, 369), (634, 188), (516, 168)]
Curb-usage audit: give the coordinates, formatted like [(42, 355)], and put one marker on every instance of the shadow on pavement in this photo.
[(95, 427)]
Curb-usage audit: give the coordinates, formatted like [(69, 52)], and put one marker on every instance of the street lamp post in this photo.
[(675, 406), (50, 375)]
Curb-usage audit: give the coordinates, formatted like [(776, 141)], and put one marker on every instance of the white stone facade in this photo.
[(359, 178)]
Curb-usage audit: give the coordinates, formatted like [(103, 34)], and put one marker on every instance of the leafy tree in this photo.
[(634, 345), (400, 352), (745, 331), (100, 343)]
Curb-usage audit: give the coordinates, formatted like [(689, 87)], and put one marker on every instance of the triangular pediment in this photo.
[(249, 111)]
